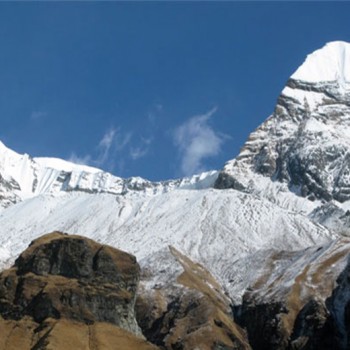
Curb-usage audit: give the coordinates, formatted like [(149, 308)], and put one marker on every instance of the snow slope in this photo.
[(211, 226)]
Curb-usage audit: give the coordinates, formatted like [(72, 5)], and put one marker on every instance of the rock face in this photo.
[(305, 305), (64, 282)]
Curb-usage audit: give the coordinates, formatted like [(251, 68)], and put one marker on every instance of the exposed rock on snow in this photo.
[(187, 308)]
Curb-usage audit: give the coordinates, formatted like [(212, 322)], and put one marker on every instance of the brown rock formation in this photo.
[(69, 292)]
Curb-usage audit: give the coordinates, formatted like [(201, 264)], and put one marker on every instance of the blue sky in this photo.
[(151, 89)]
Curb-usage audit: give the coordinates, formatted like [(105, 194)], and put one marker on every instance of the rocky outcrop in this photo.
[(189, 312), (7, 192), (304, 304), (287, 147), (70, 290)]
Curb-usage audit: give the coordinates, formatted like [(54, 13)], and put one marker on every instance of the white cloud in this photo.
[(112, 142), (108, 150), (115, 150), (107, 138), (104, 145), (197, 140)]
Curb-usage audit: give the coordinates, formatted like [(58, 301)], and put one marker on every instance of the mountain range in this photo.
[(267, 236)]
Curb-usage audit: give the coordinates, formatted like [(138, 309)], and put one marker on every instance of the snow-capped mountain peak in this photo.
[(323, 79), (302, 149), (330, 63)]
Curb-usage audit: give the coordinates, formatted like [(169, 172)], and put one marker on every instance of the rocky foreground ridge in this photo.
[(69, 292)]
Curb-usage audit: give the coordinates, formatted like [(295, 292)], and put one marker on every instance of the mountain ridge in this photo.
[(24, 177), (276, 212)]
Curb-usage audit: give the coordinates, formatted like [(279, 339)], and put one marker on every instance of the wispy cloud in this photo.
[(138, 152), (196, 140), (154, 113), (142, 150), (105, 144), (114, 150), (117, 147), (158, 107), (86, 160), (113, 142), (36, 115)]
